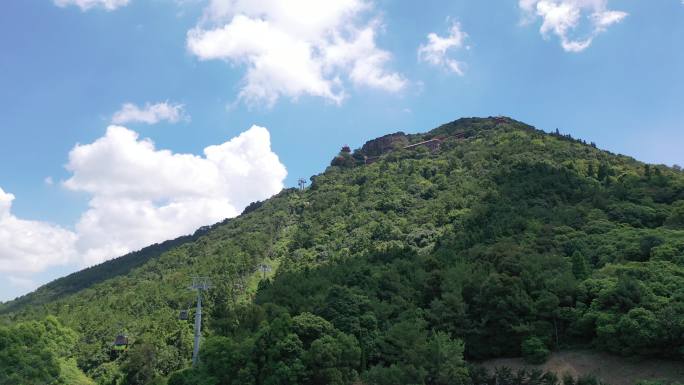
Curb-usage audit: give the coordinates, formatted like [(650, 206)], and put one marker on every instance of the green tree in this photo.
[(139, 364), (534, 351), (676, 217), (579, 266), (446, 363), (333, 360)]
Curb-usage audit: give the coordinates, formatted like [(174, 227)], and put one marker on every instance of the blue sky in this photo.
[(310, 79)]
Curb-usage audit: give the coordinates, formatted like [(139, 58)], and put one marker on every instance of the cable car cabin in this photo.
[(183, 316), (121, 342)]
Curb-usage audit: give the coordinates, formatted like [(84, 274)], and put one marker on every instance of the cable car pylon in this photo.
[(199, 284)]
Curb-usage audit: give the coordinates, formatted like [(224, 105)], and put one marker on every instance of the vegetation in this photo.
[(506, 376), (506, 241), (534, 350), (39, 353)]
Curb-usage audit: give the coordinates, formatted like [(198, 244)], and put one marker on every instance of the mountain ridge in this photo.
[(123, 264)]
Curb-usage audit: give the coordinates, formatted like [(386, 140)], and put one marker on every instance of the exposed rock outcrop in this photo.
[(385, 144)]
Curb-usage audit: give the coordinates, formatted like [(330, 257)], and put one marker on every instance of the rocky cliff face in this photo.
[(384, 144)]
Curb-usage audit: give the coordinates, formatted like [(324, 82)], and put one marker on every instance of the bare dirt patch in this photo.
[(614, 370)]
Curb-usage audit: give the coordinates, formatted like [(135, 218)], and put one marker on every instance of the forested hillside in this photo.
[(398, 265)]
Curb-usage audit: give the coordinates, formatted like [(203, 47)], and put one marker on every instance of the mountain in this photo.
[(404, 260)]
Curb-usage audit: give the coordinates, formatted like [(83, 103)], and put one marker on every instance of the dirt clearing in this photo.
[(614, 370)]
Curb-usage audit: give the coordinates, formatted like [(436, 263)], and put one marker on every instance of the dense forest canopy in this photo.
[(399, 264)]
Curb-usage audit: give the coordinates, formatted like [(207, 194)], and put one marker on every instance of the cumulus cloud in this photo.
[(150, 113), (564, 17), (86, 5), (31, 246), (140, 195), (434, 52), (295, 48)]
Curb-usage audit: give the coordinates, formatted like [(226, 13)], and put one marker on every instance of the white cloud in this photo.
[(141, 195), (150, 114), (86, 5), (295, 48), (363, 61), (564, 17), (31, 246), (435, 50)]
